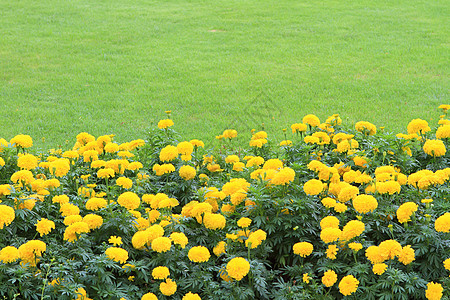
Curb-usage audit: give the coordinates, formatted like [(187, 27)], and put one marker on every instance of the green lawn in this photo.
[(116, 66)]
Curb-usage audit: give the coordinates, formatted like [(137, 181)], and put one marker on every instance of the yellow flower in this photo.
[(27, 161), (434, 148), (149, 296), (199, 254), (69, 220), (418, 126), (94, 221), (7, 215), (390, 249), (160, 273), (190, 296), (9, 254), (179, 238), (329, 222), (187, 172), (330, 235), (31, 250), (72, 231), (442, 224), (329, 278), (161, 244), (434, 291), (95, 203), (168, 153), (22, 177), (407, 255), (284, 176), (298, 127), (124, 182), (366, 127), (214, 221), (220, 248), (331, 251), (197, 143), (365, 203), (379, 268), (117, 254), (313, 187), (229, 134), (68, 209), (129, 200), (44, 226), (352, 229), (164, 124), (405, 211), (311, 120), (355, 246), (447, 264), (61, 199), (237, 268), (168, 288), (303, 249), (244, 222), (22, 140), (116, 241), (348, 285), (105, 173), (443, 132)]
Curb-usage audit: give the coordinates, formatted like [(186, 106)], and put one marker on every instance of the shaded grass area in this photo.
[(115, 67)]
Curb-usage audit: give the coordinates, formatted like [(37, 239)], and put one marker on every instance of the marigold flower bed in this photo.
[(331, 212)]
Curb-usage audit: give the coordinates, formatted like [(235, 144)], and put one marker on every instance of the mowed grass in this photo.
[(115, 66)]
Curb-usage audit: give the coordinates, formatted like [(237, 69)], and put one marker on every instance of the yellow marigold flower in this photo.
[(179, 238), (214, 221), (298, 127), (22, 140), (390, 249), (443, 132), (168, 288), (447, 264), (61, 199), (303, 249), (442, 224), (313, 187), (255, 238), (352, 229), (284, 176), (69, 220), (71, 232), (190, 296), (340, 207), (31, 250), (27, 162), (23, 176), (237, 268), (373, 253), (366, 127), (111, 147), (286, 143), (163, 169), (388, 187), (168, 153), (348, 285), (348, 193), (418, 126), (365, 203), (311, 120), (149, 296), (199, 254), (105, 173), (330, 235), (355, 246), (306, 277), (197, 143), (238, 166), (9, 254), (94, 221), (405, 211), (329, 278), (244, 222), (124, 182), (231, 159), (164, 124), (407, 255), (185, 148), (434, 148), (153, 215), (331, 251), (95, 203), (160, 273), (161, 244), (44, 226), (117, 254), (187, 172), (434, 291), (135, 165), (220, 248), (229, 133), (129, 200), (116, 241), (68, 209), (7, 215), (379, 268), (328, 202), (329, 222), (2, 161)]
